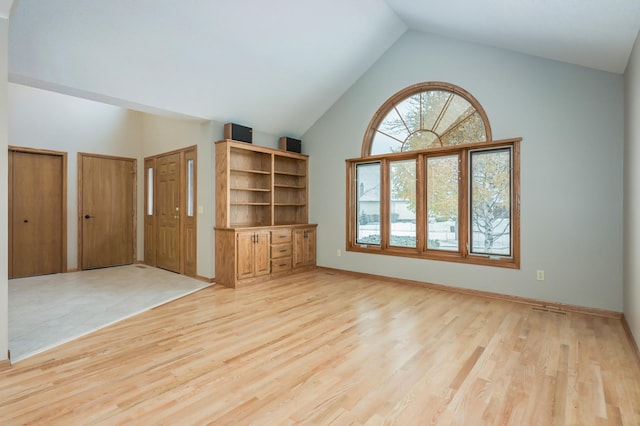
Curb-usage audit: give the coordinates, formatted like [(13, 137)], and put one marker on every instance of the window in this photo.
[(490, 202), (190, 185), (150, 191), (402, 210), (368, 204), (431, 183), (443, 181)]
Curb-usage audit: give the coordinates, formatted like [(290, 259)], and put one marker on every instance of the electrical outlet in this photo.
[(540, 275), (339, 253)]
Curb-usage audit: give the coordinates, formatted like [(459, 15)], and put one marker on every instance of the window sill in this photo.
[(500, 262)]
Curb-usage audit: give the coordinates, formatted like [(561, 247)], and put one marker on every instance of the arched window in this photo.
[(432, 183), (426, 115)]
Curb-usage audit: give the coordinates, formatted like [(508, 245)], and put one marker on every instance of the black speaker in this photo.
[(291, 144), (238, 132)]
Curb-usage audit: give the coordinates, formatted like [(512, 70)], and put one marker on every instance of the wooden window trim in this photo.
[(421, 251)]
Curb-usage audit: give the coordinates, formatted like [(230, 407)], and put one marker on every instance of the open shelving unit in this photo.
[(259, 186)]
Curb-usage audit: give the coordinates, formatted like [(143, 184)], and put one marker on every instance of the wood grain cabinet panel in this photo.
[(304, 247)]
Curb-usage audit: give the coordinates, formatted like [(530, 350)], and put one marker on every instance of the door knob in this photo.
[(87, 216), (26, 221)]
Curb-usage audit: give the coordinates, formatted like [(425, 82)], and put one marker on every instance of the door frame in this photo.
[(63, 225), (134, 188), (150, 222)]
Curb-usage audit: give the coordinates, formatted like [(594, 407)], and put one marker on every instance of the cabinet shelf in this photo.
[(251, 189), (251, 171), (278, 172), (279, 185), (250, 204)]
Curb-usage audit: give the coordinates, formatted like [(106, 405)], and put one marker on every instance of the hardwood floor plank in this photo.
[(329, 348)]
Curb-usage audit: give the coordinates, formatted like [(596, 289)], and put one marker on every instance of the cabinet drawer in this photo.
[(278, 265), (280, 250), (281, 236)]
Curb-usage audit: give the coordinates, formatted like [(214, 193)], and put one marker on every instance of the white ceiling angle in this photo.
[(278, 65), (597, 34)]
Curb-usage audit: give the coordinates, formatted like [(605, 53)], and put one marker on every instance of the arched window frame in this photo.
[(410, 91), (467, 154)]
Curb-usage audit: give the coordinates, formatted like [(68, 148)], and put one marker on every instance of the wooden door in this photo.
[(36, 214), (168, 212), (170, 223), (106, 191)]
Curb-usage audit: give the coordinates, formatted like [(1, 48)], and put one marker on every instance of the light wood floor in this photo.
[(324, 347)]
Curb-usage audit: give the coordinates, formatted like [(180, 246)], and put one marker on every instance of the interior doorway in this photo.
[(106, 211), (170, 240), (37, 212)]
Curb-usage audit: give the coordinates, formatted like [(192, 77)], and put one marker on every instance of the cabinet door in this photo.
[(310, 248), (261, 258), (304, 247), (244, 254)]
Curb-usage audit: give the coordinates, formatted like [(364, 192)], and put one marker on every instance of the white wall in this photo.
[(4, 196), (571, 122), (162, 135), (48, 120), (631, 193)]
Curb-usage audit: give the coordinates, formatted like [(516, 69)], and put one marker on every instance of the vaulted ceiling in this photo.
[(278, 65)]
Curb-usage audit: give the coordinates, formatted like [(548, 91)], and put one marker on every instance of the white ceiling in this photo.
[(5, 8), (278, 65)]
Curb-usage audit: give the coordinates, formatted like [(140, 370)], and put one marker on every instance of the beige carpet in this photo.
[(49, 310)]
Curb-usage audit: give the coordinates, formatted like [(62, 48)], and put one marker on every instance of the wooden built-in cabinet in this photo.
[(262, 224)]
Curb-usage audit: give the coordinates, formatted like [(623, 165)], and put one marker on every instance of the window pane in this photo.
[(442, 203), (409, 110), (433, 101), (150, 191), (452, 113), (383, 144), (190, 188), (491, 202), (402, 211), (393, 126), (368, 203)]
